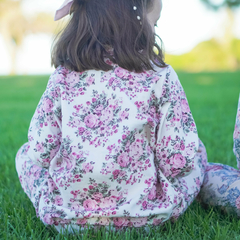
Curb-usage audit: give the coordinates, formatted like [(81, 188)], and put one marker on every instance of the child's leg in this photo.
[(221, 186)]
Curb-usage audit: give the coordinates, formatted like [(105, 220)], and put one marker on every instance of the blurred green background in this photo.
[(220, 53), (217, 50)]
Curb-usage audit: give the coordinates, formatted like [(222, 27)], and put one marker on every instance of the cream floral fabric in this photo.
[(112, 148)]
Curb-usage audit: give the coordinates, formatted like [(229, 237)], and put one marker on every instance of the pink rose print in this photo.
[(104, 221), (35, 168), (108, 202), (97, 195), (110, 81), (185, 106), (72, 81), (122, 174), (136, 150), (150, 122), (107, 115), (56, 215), (90, 80), (177, 112), (58, 201), (175, 172), (89, 204), (190, 151), (182, 146), (91, 120), (48, 219), (123, 159), (76, 122), (39, 147), (81, 130), (87, 167), (152, 111), (47, 105), (144, 205), (163, 155), (178, 160), (166, 169), (123, 115), (116, 173), (139, 222), (184, 118), (81, 221), (99, 108), (120, 72), (177, 146), (75, 207), (152, 194), (64, 153), (120, 222), (53, 152), (130, 84), (157, 221), (51, 185)]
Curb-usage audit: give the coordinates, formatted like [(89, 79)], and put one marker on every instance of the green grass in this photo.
[(213, 100)]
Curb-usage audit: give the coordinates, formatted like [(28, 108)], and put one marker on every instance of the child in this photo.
[(112, 141)]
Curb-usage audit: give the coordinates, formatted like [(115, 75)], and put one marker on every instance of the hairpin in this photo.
[(138, 17)]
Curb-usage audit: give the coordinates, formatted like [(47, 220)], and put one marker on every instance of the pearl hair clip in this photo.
[(138, 17)]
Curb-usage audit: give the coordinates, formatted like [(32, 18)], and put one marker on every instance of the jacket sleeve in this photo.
[(44, 134), (176, 135)]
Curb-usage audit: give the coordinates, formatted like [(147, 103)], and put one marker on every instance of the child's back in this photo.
[(115, 145), (112, 147)]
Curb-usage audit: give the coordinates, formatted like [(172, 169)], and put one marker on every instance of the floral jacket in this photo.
[(112, 147)]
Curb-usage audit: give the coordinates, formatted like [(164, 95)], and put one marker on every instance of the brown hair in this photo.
[(96, 26)]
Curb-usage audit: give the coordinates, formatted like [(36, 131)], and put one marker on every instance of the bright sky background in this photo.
[(183, 24)]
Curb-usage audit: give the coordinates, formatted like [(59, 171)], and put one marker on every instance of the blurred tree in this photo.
[(15, 26), (227, 41), (225, 3), (208, 56), (229, 5)]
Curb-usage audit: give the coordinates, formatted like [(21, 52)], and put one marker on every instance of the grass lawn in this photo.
[(213, 100)]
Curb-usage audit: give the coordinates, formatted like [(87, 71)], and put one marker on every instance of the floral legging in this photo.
[(221, 186)]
